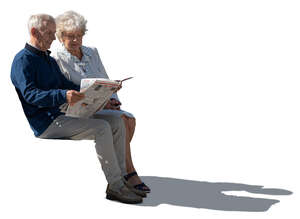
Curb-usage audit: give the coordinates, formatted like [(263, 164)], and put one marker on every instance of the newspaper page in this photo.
[(97, 92)]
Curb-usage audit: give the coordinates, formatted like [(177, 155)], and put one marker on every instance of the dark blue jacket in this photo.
[(40, 85)]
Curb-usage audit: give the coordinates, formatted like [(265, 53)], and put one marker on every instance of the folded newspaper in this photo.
[(97, 91)]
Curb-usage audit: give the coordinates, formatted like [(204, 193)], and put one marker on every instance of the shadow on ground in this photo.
[(208, 195)]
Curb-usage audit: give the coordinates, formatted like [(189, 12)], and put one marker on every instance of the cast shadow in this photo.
[(207, 195)]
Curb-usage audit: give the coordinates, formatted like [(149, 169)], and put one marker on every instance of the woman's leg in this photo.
[(130, 128), (129, 123)]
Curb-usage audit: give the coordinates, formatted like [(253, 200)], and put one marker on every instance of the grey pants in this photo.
[(108, 131)]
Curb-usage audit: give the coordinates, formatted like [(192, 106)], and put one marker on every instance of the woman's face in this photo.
[(72, 40)]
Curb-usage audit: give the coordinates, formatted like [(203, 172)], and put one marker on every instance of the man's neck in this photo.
[(34, 43)]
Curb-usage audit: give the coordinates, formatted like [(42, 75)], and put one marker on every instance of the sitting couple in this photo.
[(43, 84)]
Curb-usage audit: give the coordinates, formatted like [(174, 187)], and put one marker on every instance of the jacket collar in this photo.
[(85, 50), (37, 51)]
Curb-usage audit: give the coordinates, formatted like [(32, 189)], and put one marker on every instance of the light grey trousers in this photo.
[(108, 131)]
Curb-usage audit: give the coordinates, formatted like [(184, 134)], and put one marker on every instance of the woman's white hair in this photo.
[(38, 21), (70, 21)]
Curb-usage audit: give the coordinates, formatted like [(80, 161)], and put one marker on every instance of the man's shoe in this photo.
[(136, 191), (123, 195)]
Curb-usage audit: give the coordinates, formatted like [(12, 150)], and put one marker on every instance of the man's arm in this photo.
[(23, 79)]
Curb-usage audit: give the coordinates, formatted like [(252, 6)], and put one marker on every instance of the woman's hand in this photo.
[(118, 88), (113, 104)]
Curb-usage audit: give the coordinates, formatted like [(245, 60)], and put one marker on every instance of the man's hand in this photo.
[(74, 96), (113, 104)]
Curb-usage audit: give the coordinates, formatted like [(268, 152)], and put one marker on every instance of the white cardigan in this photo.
[(90, 66)]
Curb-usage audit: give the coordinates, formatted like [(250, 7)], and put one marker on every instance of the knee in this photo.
[(131, 122), (102, 127), (121, 124), (116, 120), (118, 124)]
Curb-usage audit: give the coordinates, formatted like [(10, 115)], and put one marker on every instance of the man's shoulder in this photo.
[(25, 56), (23, 61), (20, 55), (52, 58)]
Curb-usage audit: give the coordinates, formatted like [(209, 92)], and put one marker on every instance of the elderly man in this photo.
[(42, 89)]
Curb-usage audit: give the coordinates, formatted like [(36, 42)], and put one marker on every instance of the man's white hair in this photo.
[(38, 21), (68, 22)]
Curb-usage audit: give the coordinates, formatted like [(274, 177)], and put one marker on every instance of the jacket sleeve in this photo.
[(102, 70), (23, 74)]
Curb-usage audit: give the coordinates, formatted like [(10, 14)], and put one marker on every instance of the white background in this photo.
[(215, 94)]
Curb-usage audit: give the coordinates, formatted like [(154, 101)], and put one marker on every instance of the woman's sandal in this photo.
[(142, 186)]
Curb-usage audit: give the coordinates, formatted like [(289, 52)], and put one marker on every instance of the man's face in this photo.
[(46, 35)]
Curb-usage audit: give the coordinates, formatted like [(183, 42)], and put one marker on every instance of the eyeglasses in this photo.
[(73, 36)]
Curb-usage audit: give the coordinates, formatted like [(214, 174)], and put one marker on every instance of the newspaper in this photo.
[(97, 92)]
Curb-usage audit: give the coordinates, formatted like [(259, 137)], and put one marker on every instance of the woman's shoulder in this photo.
[(91, 51)]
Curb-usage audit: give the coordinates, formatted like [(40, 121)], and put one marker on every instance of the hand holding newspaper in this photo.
[(97, 92)]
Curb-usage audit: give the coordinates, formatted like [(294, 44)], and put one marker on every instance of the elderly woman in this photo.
[(76, 62)]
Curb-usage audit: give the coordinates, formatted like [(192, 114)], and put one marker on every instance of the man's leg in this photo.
[(107, 140), (129, 122), (119, 138), (96, 129)]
